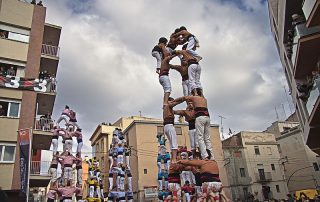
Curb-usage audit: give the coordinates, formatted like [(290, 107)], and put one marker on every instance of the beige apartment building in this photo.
[(252, 163), (300, 163), (295, 25), (101, 140), (29, 45), (140, 133)]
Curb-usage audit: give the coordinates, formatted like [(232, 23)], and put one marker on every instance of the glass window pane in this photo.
[(1, 152), (8, 153), (14, 109), (18, 37)]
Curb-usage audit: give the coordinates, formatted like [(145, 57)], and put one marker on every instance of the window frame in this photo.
[(315, 166), (178, 130), (9, 107), (145, 171), (278, 188), (2, 152), (273, 167), (256, 148), (242, 172)]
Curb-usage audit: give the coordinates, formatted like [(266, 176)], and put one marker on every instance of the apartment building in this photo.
[(252, 163), (295, 25), (101, 140), (300, 163), (29, 45), (140, 133), (141, 137)]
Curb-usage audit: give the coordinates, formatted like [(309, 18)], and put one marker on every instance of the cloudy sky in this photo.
[(106, 70)]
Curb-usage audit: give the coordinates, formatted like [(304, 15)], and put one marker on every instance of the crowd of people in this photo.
[(120, 177), (196, 169), (64, 187)]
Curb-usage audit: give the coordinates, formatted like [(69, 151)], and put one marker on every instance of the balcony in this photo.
[(305, 55), (39, 175), (311, 10), (313, 103), (263, 178), (49, 51), (45, 102), (42, 133)]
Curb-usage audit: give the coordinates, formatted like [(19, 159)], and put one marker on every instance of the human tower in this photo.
[(196, 170), (65, 188), (120, 177)]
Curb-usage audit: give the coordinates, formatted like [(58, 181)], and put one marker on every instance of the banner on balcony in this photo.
[(38, 85), (24, 146)]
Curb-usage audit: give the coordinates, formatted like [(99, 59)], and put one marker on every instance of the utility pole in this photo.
[(221, 130)]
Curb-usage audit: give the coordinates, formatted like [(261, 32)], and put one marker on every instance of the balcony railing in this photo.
[(300, 30), (40, 168), (266, 177), (44, 124), (50, 50)]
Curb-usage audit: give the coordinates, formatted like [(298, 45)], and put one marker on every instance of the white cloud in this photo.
[(106, 69)]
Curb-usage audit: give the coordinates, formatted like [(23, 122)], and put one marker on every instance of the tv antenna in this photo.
[(221, 130)]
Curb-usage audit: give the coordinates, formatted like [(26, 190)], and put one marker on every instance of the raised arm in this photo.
[(179, 112), (175, 67)]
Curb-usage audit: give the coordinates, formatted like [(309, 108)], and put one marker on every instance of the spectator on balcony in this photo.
[(3, 71), (68, 160), (53, 167), (2, 111), (46, 75), (65, 115), (53, 83), (11, 71), (41, 76), (40, 3), (78, 135)]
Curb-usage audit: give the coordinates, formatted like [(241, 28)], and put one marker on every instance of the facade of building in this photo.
[(29, 45), (300, 163), (140, 133), (295, 25), (141, 137), (253, 168), (101, 140)]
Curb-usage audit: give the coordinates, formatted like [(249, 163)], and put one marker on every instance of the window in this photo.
[(160, 130), (286, 128), (7, 153), (14, 33), (272, 167), (245, 192), (242, 172), (278, 188), (269, 152), (145, 171), (315, 166), (9, 108), (102, 145), (178, 130), (256, 150)]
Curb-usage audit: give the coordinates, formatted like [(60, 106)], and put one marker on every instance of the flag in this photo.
[(24, 145)]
